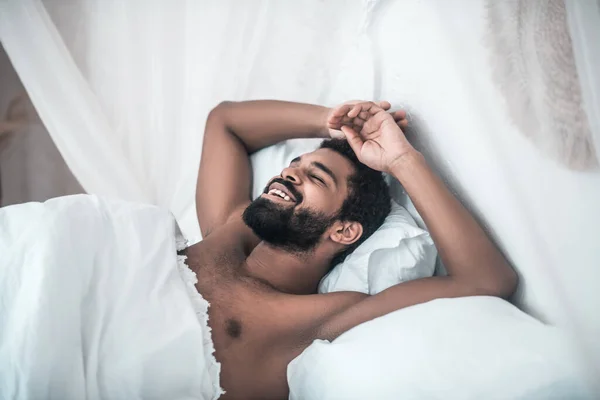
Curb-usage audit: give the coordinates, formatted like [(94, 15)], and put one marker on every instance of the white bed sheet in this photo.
[(92, 305), (465, 348)]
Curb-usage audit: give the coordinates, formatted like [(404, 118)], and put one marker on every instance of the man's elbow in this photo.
[(224, 104), (218, 110), (501, 284)]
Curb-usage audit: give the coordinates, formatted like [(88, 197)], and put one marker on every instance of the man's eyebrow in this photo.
[(320, 166), (324, 168)]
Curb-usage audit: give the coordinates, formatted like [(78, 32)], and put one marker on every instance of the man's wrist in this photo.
[(406, 164), (323, 117)]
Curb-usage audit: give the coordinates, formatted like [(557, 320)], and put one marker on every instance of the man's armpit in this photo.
[(334, 305)]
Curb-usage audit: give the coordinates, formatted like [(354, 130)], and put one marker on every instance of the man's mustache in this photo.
[(288, 185)]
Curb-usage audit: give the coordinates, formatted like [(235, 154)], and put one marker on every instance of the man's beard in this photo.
[(286, 227)]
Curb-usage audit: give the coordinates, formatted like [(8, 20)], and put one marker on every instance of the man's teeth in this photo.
[(280, 194)]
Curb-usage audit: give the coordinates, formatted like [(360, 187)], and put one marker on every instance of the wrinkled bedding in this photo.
[(93, 305)]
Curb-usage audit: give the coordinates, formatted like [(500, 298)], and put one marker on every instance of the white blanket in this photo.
[(93, 305)]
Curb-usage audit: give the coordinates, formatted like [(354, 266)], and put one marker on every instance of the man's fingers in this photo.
[(364, 115), (356, 109), (385, 105), (353, 138), (356, 116), (334, 119), (403, 123), (364, 109), (358, 122), (399, 115), (341, 110), (374, 109)]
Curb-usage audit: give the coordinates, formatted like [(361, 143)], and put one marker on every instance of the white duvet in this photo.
[(93, 305)]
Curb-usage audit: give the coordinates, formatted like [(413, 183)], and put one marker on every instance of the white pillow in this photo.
[(398, 251), (466, 348)]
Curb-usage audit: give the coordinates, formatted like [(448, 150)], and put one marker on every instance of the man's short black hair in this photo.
[(368, 200)]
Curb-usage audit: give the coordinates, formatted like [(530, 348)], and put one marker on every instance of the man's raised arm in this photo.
[(235, 130), (475, 266)]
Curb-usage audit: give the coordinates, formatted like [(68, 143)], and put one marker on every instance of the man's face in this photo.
[(297, 207)]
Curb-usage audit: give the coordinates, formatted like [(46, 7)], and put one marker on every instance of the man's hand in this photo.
[(374, 134), (338, 117)]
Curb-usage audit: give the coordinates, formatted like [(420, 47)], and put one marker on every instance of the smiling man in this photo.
[(260, 261)]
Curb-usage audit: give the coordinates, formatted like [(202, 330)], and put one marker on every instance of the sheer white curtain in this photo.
[(124, 87), (542, 211), (584, 26)]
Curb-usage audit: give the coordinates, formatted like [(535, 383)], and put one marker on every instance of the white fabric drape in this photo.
[(584, 26), (542, 213), (124, 88), (31, 167), (63, 99)]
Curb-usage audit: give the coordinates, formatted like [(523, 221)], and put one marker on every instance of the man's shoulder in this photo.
[(234, 234)]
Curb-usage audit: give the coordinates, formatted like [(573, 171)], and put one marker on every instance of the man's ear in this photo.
[(346, 232)]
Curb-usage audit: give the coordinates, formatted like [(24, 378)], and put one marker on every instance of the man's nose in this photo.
[(291, 175)]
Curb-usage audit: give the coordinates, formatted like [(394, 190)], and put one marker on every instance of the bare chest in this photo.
[(256, 330), (246, 326), (221, 283)]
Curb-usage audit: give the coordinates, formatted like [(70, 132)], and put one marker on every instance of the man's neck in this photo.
[(287, 271)]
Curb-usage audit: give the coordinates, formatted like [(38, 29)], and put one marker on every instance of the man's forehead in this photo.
[(339, 164)]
